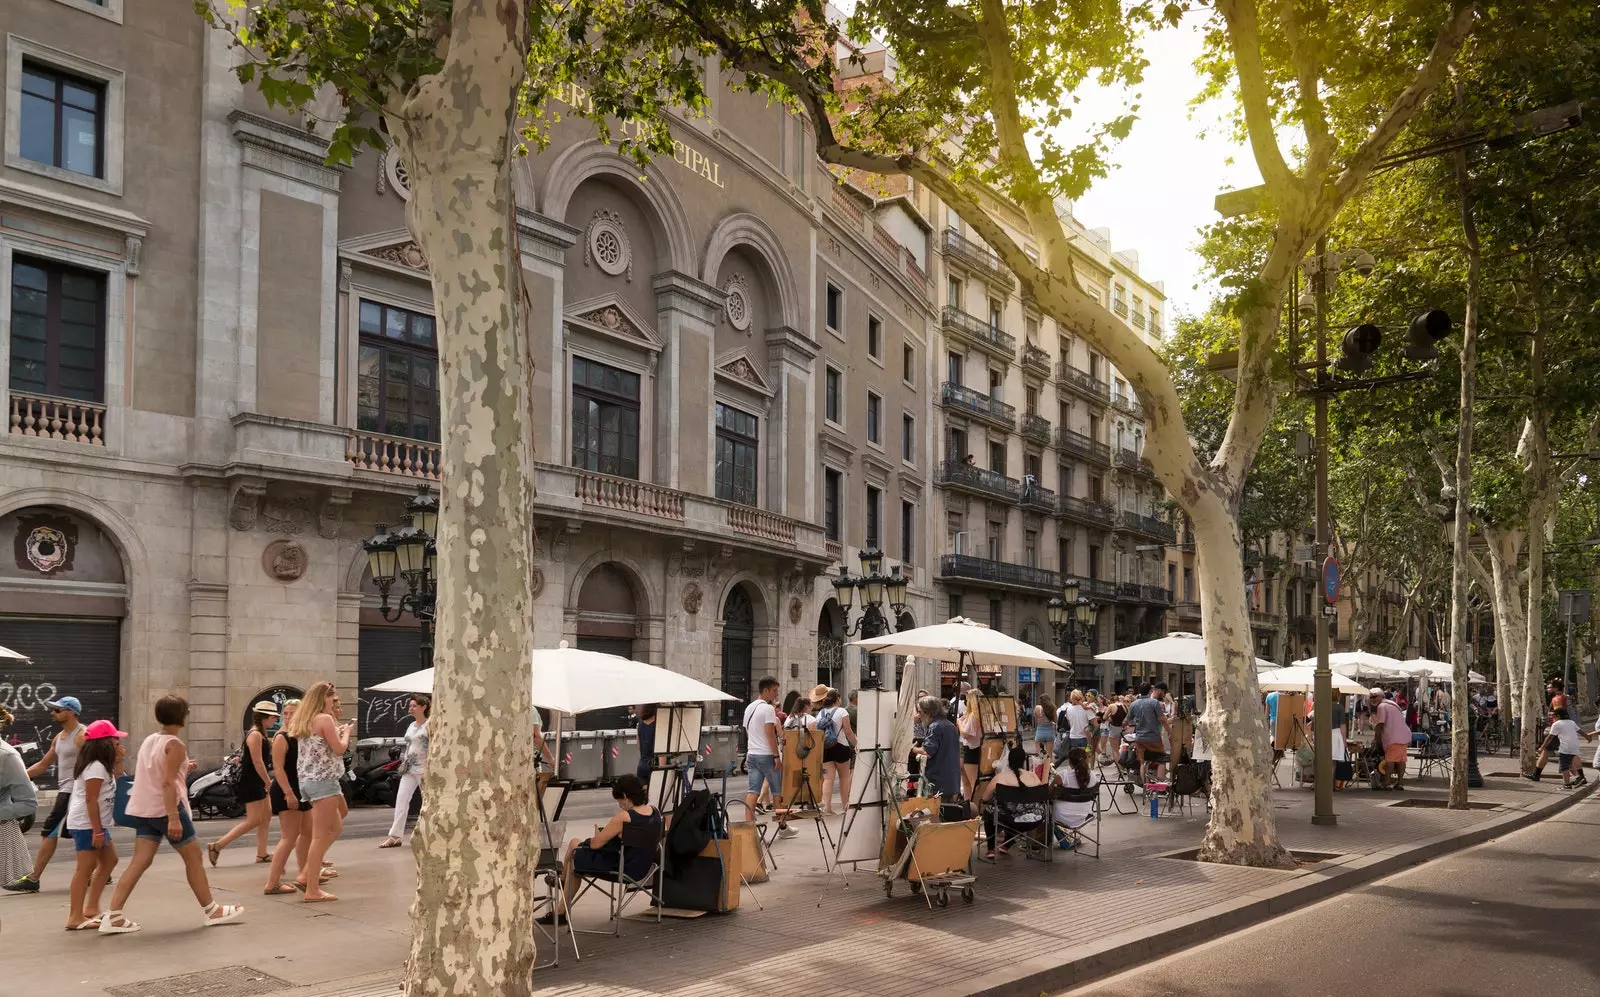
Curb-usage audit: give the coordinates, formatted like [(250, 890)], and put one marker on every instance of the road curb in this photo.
[(1128, 949)]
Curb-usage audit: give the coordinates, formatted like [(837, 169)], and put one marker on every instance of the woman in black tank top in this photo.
[(294, 814)]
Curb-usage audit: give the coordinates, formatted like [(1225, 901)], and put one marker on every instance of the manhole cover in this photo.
[(1415, 802), (229, 981)]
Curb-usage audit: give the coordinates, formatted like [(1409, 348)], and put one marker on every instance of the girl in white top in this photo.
[(94, 790), (412, 768)]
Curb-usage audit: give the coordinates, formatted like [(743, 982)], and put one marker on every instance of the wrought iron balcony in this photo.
[(1085, 511), (1129, 591), (1158, 594), (1037, 498), (967, 568), (1073, 442), (979, 480), (1120, 306), (980, 259), (1035, 360), (1138, 320), (1125, 459), (978, 405), (1098, 589), (1082, 382), (1036, 427), (991, 340), (1126, 402), (1149, 526)]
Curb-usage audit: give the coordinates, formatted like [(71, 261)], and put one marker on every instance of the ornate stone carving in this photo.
[(796, 607), (290, 515), (692, 597), (406, 254), (331, 515), (45, 543), (834, 249), (244, 504), (345, 272), (132, 248), (535, 582), (284, 560), (736, 304), (399, 177), (383, 171), (606, 245)]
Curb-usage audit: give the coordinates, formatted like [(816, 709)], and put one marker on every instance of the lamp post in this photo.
[(1072, 620), (409, 553), (877, 590)]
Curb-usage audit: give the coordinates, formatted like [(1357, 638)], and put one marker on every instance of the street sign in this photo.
[(1305, 554), (1027, 674), (1575, 605), (1330, 579)]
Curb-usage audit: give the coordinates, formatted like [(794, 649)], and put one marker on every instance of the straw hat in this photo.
[(819, 694), (266, 706)]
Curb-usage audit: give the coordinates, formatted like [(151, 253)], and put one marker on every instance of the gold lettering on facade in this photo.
[(689, 158)]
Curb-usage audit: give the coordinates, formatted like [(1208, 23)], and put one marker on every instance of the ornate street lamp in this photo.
[(408, 554), (877, 591), (1072, 620)]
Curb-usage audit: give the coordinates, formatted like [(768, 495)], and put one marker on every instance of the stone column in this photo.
[(686, 310), (208, 646), (791, 449)]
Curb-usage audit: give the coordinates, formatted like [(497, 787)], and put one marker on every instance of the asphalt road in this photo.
[(1516, 916)]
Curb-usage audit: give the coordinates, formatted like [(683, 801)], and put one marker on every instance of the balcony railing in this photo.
[(1097, 588), (1073, 442), (1129, 591), (1081, 381), (982, 260), (1035, 360), (1085, 511), (58, 419), (393, 455), (976, 403), (981, 334), (991, 484), (1042, 499), (759, 523), (627, 495), (1127, 460), (965, 567), (1157, 594), (1036, 428), (1148, 526), (1138, 320), (1120, 306), (1126, 402)]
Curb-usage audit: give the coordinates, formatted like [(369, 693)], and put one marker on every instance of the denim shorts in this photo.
[(83, 840), (155, 828), (764, 772), (319, 789)]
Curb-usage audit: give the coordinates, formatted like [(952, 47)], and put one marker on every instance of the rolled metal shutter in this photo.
[(385, 653), (71, 657)]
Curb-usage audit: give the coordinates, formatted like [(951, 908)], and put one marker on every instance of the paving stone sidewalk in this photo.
[(1035, 926)]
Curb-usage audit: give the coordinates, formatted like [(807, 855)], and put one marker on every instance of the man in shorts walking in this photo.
[(1565, 740), (1149, 722), (64, 753), (763, 758), (1394, 736)]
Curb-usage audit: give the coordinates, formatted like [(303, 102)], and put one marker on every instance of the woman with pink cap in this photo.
[(94, 788)]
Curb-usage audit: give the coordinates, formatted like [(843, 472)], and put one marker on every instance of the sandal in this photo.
[(222, 913), (326, 898), (213, 851), (262, 859), (113, 923), (390, 842), (88, 924), (281, 890)]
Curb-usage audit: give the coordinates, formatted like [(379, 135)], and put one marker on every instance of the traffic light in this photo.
[(1358, 346), (1426, 329)]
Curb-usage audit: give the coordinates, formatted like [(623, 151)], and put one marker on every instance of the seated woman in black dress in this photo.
[(598, 855)]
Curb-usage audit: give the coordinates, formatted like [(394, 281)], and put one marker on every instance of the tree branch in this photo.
[(1244, 38), (1320, 144)]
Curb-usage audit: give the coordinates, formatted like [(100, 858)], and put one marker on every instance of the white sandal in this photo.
[(223, 913), (109, 925)]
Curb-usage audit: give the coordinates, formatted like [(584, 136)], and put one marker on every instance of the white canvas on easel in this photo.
[(862, 838)]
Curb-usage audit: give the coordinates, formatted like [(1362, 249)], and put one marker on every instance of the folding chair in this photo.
[(1080, 832), (1433, 757), (1120, 788), (620, 888), (1185, 786), (1020, 812)]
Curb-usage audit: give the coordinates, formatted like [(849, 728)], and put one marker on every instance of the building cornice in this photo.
[(289, 152)]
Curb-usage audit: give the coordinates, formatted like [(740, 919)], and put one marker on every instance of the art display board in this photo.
[(681, 725), (871, 779), (678, 737), (798, 792), (895, 841), (998, 714), (1290, 732), (875, 719)]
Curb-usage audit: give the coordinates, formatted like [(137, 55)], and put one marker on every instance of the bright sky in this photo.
[(1165, 176)]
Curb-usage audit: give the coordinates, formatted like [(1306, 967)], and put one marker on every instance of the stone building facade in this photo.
[(218, 374)]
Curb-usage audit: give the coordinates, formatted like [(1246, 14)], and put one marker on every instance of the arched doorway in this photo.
[(606, 622), (738, 651), (830, 644), (63, 600)]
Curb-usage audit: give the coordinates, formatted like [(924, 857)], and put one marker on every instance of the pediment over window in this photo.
[(611, 316), (395, 251), (736, 365)]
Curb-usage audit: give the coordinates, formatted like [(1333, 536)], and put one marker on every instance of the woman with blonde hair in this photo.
[(323, 742), (251, 789), (292, 812)]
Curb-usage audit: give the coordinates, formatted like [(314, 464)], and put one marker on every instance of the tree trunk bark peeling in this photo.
[(1460, 578), (475, 851), (1242, 830)]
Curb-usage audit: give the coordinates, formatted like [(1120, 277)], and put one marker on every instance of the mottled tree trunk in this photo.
[(470, 922), (1460, 578)]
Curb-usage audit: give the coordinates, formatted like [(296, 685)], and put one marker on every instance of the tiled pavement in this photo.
[(1034, 926)]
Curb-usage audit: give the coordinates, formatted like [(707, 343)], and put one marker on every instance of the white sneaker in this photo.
[(787, 832)]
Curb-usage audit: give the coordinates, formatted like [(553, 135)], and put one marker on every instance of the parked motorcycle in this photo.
[(375, 783), (210, 796)]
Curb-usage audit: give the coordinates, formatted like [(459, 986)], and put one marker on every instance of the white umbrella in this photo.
[(1302, 678), (1437, 671), (961, 641), (1177, 648), (1362, 665), (6, 654), (575, 681)]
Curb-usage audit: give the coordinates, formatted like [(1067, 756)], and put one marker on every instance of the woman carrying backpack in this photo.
[(250, 785), (838, 741)]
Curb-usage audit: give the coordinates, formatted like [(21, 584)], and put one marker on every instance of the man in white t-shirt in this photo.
[(763, 756), (1569, 745)]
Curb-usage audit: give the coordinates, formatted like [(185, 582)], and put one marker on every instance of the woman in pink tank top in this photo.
[(158, 807)]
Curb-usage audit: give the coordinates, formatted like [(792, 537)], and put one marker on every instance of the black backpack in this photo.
[(693, 824)]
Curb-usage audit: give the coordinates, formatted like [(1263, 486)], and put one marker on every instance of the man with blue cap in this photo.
[(64, 753)]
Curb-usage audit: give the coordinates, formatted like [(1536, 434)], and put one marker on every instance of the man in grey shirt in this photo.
[(1148, 720)]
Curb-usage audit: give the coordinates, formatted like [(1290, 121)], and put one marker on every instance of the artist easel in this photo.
[(797, 796), (876, 788)]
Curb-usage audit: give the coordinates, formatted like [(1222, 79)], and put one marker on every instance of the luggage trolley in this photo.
[(934, 858)]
